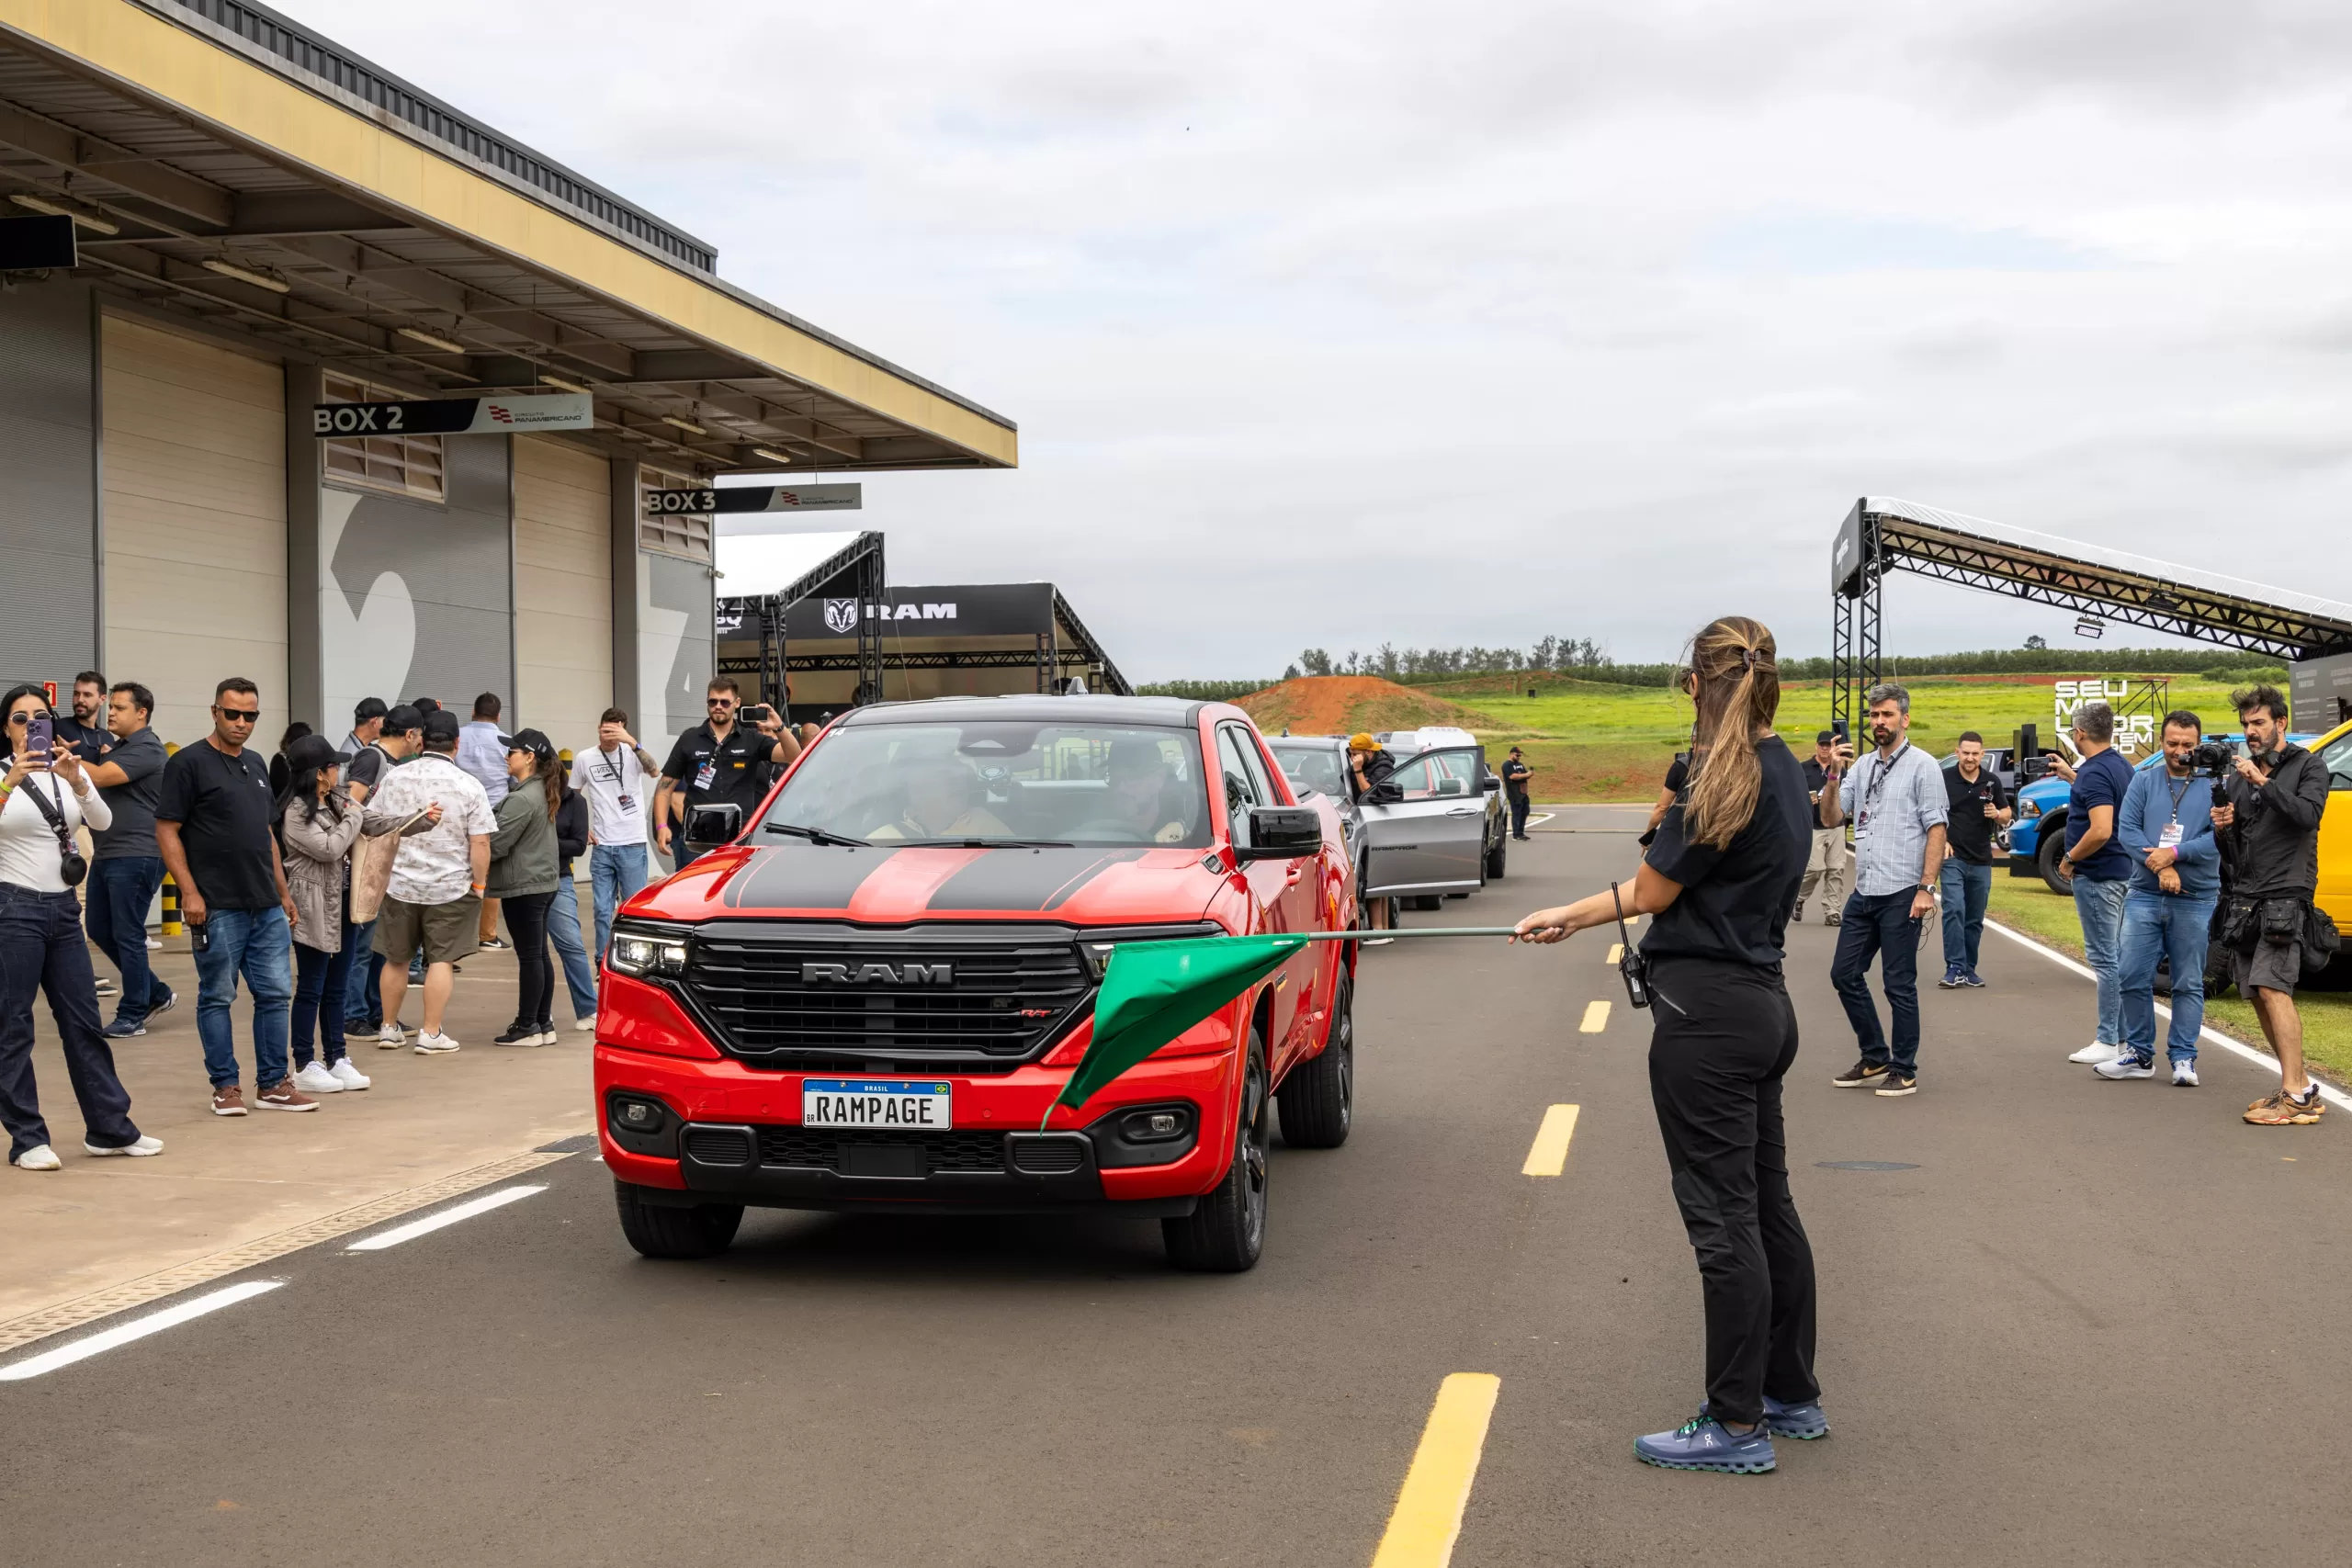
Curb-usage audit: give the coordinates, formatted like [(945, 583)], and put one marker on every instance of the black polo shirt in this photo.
[(1816, 783), (1736, 900), (1969, 831), (1515, 775), (223, 807), (708, 771)]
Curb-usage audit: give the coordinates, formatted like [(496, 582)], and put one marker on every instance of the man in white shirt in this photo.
[(436, 889), (483, 755), (613, 777)]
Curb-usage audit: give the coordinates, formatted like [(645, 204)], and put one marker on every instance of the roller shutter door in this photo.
[(195, 492), (563, 589)]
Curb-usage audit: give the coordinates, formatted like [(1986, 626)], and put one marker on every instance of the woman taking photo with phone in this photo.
[(44, 796), (523, 860), (1720, 881)]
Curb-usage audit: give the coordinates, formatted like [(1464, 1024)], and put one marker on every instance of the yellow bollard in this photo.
[(172, 926)]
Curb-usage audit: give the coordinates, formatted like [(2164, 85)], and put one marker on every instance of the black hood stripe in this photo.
[(1027, 879), (803, 876)]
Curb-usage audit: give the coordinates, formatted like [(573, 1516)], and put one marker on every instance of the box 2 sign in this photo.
[(2139, 727), (456, 416)]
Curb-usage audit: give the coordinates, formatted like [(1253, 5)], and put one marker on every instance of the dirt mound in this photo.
[(1342, 704)]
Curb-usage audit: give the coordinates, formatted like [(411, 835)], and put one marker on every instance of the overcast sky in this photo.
[(1324, 324)]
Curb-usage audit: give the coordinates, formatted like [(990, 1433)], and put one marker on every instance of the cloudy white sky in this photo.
[(1325, 324)]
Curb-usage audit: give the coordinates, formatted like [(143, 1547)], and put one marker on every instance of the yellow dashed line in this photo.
[(1549, 1154), (1596, 1017), (1616, 952), (1427, 1517)]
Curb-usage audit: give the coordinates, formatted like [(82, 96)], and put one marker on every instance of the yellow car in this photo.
[(2335, 750)]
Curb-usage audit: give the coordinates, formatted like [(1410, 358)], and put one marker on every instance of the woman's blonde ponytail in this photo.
[(1739, 694)]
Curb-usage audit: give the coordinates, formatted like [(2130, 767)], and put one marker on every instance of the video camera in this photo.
[(2217, 760)]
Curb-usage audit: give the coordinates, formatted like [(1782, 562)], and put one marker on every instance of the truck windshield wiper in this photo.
[(818, 835), (989, 843)]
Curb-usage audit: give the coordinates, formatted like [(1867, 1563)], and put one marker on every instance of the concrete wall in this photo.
[(563, 589), (50, 525)]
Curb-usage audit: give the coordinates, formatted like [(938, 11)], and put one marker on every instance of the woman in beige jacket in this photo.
[(317, 825)]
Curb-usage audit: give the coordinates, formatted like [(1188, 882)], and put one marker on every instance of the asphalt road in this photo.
[(2091, 1323)]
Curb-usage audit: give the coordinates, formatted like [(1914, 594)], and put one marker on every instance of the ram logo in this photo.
[(841, 616), (877, 974)]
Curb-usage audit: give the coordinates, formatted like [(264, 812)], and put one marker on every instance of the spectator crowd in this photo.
[(327, 881)]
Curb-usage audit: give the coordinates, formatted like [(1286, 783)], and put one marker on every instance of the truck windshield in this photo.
[(1312, 767), (1010, 781)]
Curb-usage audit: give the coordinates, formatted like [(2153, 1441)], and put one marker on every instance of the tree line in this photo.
[(1584, 659)]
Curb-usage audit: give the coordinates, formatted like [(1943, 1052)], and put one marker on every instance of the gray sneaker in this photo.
[(1895, 1086)]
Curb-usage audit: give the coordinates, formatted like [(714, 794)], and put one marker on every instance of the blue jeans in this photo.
[(2099, 906), (363, 994), (320, 978), (1967, 888), (1879, 925), (120, 892), (2173, 926), (256, 944), (615, 872), (563, 929), (41, 951)]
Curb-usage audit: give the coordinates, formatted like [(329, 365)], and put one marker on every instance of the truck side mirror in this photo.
[(1282, 832)]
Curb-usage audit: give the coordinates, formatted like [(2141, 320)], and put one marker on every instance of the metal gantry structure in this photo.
[(855, 574), (1882, 533)]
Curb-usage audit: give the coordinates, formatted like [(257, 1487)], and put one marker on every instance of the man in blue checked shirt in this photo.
[(2167, 827), (1895, 800)]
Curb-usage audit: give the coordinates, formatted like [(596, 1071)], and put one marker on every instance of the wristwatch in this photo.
[(1927, 887)]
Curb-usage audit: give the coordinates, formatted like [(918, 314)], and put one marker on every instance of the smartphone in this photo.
[(40, 734), (758, 713), (197, 942), (1838, 732)]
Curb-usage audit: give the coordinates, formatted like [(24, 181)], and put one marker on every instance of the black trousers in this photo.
[(526, 922), (1519, 806), (1719, 1052), (41, 952)]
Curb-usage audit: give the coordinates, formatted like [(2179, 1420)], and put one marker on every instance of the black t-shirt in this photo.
[(223, 807), (1736, 900), (1678, 773), (1515, 777), (366, 766), (733, 765), (142, 758), (90, 739), (1970, 831), (1816, 779)]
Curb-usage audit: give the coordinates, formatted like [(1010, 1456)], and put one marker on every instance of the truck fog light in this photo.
[(643, 1116), (1155, 1126)]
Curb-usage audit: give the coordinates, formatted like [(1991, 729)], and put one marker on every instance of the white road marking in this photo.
[(2213, 1036), (137, 1328), (432, 1223), (1541, 817)]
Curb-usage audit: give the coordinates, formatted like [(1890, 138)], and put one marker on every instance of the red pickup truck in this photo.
[(867, 995)]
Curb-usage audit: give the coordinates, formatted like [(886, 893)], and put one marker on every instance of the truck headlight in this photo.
[(2028, 811), (645, 955)]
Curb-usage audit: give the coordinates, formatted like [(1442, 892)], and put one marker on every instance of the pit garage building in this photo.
[(266, 222)]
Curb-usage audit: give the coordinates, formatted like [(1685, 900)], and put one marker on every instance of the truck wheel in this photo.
[(2047, 854), (1224, 1231), (1427, 901), (1495, 854), (658, 1230), (1318, 1101)]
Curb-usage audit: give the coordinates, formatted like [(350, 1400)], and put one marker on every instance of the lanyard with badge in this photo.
[(2169, 836), (622, 797), (1872, 790)]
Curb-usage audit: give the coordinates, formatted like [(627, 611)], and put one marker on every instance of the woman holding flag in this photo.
[(1720, 880)]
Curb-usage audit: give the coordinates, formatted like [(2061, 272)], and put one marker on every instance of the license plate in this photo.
[(876, 1102)]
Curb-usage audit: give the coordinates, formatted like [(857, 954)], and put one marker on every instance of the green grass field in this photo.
[(2024, 904), (1597, 743)]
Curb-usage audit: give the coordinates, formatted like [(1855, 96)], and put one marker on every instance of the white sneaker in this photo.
[(41, 1156), (145, 1147), (2098, 1051), (431, 1044), (349, 1075), (2183, 1075), (153, 946), (318, 1078), (587, 1025), (548, 1037), (391, 1038), (2126, 1066)]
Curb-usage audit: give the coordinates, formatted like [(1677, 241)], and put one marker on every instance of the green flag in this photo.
[(1154, 991)]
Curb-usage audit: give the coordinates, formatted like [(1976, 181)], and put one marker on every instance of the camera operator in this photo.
[(716, 763), (1720, 880), (2167, 827), (2270, 828)]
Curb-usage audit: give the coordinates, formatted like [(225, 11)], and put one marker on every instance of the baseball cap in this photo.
[(403, 719), (440, 725), (532, 741), (313, 752), (369, 707), (1824, 738)]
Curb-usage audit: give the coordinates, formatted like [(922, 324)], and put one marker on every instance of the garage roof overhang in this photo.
[(383, 233)]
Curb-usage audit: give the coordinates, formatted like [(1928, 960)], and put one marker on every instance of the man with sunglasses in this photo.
[(718, 761), (213, 824)]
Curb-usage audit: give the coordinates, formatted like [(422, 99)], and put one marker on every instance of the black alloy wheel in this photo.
[(1318, 1100), (1226, 1231), (1496, 854), (659, 1230), (2048, 850)]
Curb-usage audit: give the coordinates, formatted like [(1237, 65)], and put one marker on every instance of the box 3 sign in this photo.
[(2139, 728), (456, 416)]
